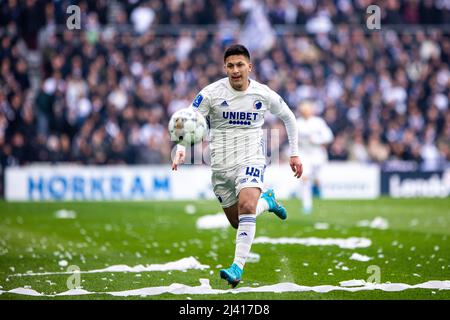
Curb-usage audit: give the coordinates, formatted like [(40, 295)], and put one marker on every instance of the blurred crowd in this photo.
[(104, 94)]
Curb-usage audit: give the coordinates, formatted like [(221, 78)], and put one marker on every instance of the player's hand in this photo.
[(179, 159), (296, 166)]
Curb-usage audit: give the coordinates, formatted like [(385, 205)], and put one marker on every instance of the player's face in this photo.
[(306, 110), (237, 68)]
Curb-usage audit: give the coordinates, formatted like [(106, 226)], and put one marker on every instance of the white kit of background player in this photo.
[(314, 135), (235, 107)]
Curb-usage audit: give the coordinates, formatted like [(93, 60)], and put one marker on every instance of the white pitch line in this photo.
[(206, 289)]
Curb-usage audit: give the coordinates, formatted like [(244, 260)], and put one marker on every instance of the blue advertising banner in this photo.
[(415, 184)]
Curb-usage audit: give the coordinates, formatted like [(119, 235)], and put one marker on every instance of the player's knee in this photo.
[(247, 207)]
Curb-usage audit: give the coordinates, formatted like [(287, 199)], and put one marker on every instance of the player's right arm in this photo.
[(278, 107), (201, 103)]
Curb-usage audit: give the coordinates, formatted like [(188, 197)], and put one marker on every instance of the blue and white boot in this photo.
[(274, 205), (233, 274)]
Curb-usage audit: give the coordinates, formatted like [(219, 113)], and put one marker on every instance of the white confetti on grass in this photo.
[(340, 266), (65, 214), (321, 226), (190, 209), (63, 263), (253, 257), (376, 223), (213, 221), (180, 265), (205, 288), (360, 257), (348, 243)]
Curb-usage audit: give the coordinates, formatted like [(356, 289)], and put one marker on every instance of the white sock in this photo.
[(261, 206), (306, 187), (244, 238)]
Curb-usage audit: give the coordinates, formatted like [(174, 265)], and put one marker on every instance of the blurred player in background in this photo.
[(235, 108), (314, 135)]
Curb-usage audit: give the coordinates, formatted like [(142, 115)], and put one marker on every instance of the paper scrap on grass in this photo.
[(340, 266), (63, 263), (376, 223), (321, 226), (180, 265), (359, 257), (213, 221), (65, 214), (348, 243), (190, 209), (205, 288), (252, 257)]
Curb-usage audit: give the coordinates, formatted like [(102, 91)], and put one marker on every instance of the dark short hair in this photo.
[(236, 49)]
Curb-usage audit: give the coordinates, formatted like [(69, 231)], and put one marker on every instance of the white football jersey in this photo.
[(313, 134), (236, 119)]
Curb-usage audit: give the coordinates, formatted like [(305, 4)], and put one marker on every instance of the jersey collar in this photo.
[(250, 83)]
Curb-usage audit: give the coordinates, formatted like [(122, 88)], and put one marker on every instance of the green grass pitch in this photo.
[(414, 249)]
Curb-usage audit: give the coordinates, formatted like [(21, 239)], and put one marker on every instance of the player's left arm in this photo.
[(279, 108)]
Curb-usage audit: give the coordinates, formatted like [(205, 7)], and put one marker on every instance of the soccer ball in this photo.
[(187, 127)]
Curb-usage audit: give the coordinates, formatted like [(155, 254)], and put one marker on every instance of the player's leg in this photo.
[(263, 205), (270, 203), (306, 188), (248, 186), (316, 179), (224, 189), (254, 177), (306, 194), (266, 202), (248, 201), (232, 215)]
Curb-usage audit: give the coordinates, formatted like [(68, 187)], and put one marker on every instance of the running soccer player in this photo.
[(235, 107), (314, 134)]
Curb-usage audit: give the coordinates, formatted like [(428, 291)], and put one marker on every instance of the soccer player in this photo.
[(235, 107), (314, 134)]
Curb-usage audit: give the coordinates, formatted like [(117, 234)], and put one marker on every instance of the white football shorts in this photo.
[(228, 184), (311, 168)]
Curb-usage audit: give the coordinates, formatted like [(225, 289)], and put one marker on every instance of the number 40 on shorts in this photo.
[(250, 171)]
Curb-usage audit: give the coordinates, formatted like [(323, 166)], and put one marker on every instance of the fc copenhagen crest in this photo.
[(257, 105)]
